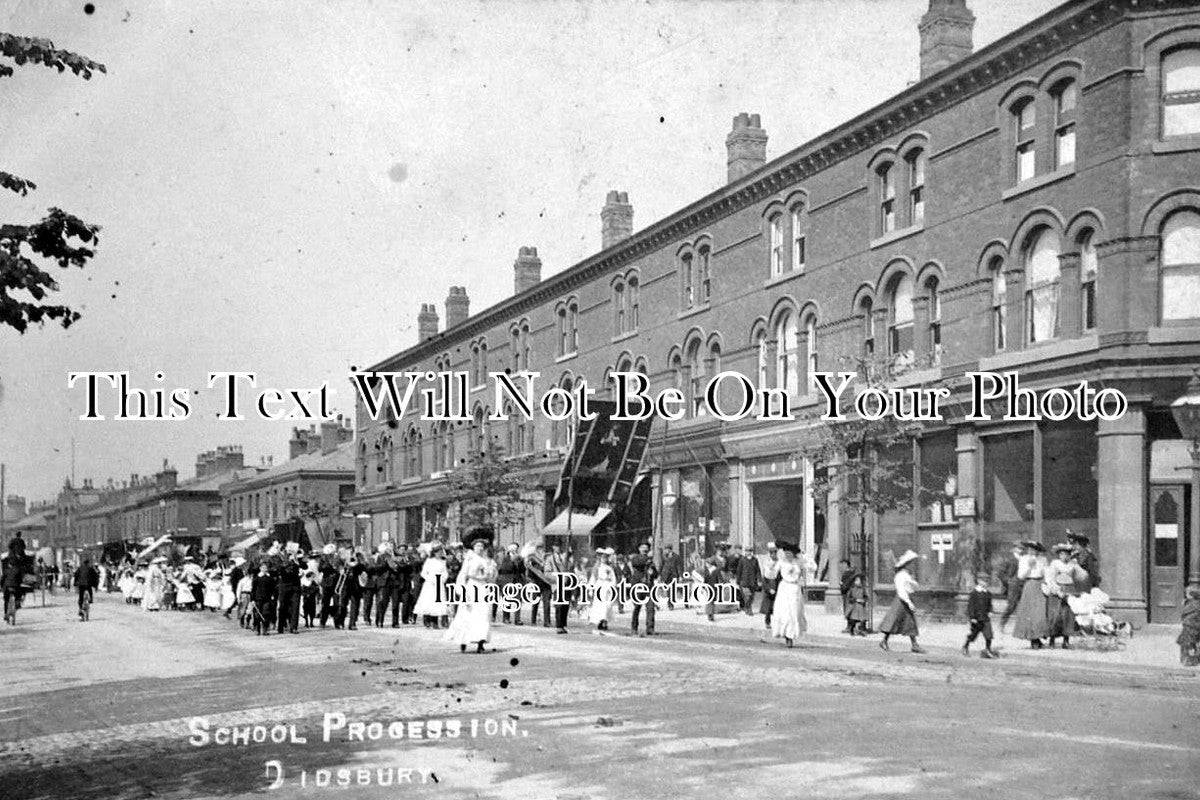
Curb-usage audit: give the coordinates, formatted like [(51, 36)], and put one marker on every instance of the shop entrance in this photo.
[(778, 512), (1169, 524)]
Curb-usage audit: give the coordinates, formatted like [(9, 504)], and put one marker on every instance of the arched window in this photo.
[(1181, 266), (1024, 117), (618, 300), (886, 179), (799, 243), (362, 464), (867, 309), (560, 430), (563, 337), (900, 317), (935, 320), (810, 351), (1065, 97), (687, 289), (776, 228), (449, 459), (763, 354), (704, 274), (999, 304), (916, 186), (1041, 285), (695, 365), (632, 291), (1181, 92), (435, 440), (573, 325), (517, 351), (474, 433), (1088, 265), (481, 377), (787, 360)]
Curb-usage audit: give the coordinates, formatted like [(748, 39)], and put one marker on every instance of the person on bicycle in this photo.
[(87, 580)]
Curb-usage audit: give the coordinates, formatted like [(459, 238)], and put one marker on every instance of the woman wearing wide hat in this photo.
[(787, 619), (1031, 623), (901, 618), (1063, 579), (604, 579), (473, 620)]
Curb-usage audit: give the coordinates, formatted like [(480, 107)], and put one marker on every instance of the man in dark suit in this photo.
[(331, 569), (536, 570), (749, 577), (368, 588), (408, 566), (672, 569), (510, 569), (262, 594), (643, 573), (352, 591), (289, 595)]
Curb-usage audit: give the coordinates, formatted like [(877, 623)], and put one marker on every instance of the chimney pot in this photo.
[(427, 322), (616, 219), (946, 39), (746, 145)]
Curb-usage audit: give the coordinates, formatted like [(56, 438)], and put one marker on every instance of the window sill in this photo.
[(562, 358), (1177, 144), (693, 311), (410, 481), (897, 235), (783, 278), (1170, 333), (1038, 182), (620, 337), (1056, 348)]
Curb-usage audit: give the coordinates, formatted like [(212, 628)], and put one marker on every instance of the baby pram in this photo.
[(1096, 628)]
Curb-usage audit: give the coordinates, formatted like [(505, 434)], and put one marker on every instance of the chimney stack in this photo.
[(457, 306), (427, 322), (330, 436), (945, 35), (527, 270), (746, 145), (616, 219)]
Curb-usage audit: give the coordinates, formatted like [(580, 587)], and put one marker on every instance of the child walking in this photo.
[(856, 608), (979, 610)]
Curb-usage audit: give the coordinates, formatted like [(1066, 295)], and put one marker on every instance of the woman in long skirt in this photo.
[(604, 587), (1031, 621), (155, 583), (901, 618), (433, 573), (1063, 579), (473, 620), (788, 611)]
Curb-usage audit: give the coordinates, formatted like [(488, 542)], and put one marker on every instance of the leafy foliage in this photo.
[(490, 489), (59, 238)]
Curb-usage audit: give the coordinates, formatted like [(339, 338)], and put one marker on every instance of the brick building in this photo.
[(1030, 206), (311, 487)]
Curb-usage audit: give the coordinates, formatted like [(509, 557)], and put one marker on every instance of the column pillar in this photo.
[(833, 539), (1014, 304), (739, 532), (969, 530), (1070, 297), (1121, 474)]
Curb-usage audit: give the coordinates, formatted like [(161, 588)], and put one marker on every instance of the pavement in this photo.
[(139, 704)]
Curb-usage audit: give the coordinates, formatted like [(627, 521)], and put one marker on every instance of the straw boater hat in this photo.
[(1063, 548), (908, 557)]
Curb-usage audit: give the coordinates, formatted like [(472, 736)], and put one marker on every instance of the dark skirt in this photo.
[(768, 599), (1031, 612), (899, 620), (1059, 616), (1189, 646), (857, 612)]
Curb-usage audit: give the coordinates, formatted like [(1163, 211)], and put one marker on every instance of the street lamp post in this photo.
[(1186, 411)]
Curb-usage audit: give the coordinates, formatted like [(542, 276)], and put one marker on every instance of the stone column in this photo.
[(1015, 308), (969, 529), (833, 541), (1122, 513), (1070, 297)]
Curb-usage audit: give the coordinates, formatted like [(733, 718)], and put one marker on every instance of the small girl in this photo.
[(856, 608), (1189, 637), (308, 597)]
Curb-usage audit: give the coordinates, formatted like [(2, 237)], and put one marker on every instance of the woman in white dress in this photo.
[(156, 582), (787, 616), (212, 589), (228, 590), (433, 572), (604, 586), (473, 620), (139, 585)]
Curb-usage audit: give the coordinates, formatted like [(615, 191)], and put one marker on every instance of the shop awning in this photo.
[(580, 522)]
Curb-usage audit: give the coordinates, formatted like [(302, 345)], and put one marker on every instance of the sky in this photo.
[(280, 185)]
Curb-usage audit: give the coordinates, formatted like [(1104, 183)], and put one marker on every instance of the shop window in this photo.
[(1041, 291), (1070, 492), (1088, 266), (1024, 123), (938, 478), (1065, 98), (1181, 266), (1181, 92)]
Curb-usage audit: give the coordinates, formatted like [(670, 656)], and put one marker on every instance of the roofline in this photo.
[(924, 98)]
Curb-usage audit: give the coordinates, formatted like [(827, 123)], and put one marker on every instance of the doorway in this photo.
[(1169, 525)]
